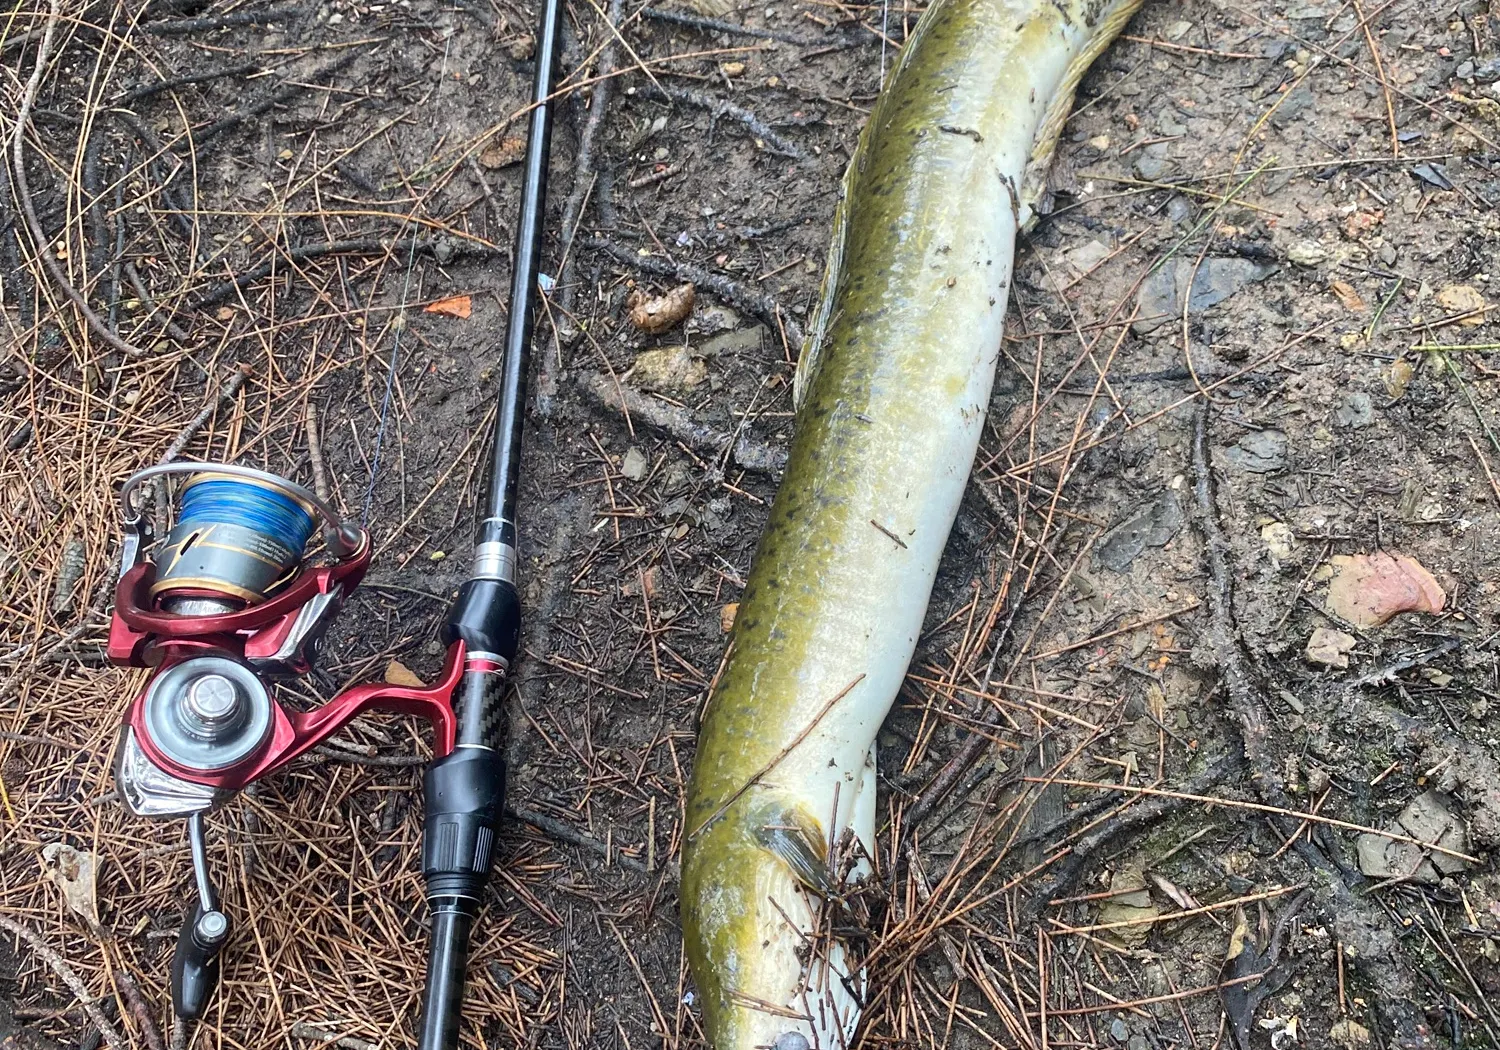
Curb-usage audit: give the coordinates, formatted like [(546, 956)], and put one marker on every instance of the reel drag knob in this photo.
[(208, 713)]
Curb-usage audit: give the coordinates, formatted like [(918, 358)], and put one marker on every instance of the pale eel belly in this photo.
[(892, 390)]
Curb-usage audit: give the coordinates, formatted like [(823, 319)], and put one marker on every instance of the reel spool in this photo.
[(236, 541)]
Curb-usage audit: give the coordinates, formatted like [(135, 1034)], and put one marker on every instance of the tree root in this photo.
[(720, 108), (678, 423), (1358, 920)]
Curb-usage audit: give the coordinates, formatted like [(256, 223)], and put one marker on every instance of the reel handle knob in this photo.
[(195, 963)]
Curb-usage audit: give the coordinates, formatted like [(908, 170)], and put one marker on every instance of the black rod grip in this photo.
[(464, 793), (443, 998)]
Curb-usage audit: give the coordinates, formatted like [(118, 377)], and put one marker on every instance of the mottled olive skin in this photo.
[(907, 341)]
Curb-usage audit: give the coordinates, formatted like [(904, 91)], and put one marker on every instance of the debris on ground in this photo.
[(1280, 540), (503, 151), (1428, 818), (654, 314), (1215, 279), (1259, 451), (1152, 525), (460, 306), (74, 872), (1130, 905), (671, 370), (1463, 299), (1329, 647), (1367, 590)]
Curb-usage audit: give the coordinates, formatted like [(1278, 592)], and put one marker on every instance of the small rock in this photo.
[(1137, 1042), (1118, 1030), (1178, 30), (1356, 411), (1151, 163), (1179, 209), (397, 673), (672, 370), (635, 464), (1329, 648), (1307, 253), (1318, 780), (1131, 904), (745, 340), (1153, 525), (1216, 279), (1279, 538), (1428, 818), (1259, 451), (522, 47), (1398, 376), (1369, 589), (1349, 1035)]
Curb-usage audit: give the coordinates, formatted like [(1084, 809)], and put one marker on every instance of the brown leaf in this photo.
[(1348, 296), (459, 306), (73, 871), (658, 313), (503, 152), (397, 673), (1463, 299), (1176, 894), (1368, 589), (727, 615)]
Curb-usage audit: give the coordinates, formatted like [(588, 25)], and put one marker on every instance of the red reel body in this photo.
[(207, 724)]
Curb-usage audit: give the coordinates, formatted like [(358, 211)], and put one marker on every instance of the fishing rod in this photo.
[(229, 598)]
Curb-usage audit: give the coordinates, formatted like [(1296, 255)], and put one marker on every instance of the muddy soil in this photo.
[(1101, 728)]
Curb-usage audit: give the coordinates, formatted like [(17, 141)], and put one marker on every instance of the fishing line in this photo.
[(390, 373), (885, 25)]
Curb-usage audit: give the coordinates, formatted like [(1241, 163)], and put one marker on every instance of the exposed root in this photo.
[(1357, 919), (719, 108), (678, 423)]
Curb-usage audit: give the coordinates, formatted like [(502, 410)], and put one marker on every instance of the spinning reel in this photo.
[(227, 599)]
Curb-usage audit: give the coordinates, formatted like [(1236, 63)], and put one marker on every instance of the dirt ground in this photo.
[(1113, 715)]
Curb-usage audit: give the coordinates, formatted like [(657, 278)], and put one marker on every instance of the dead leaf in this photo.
[(1176, 894), (1462, 299), (727, 615), (73, 871), (459, 306), (1369, 589), (397, 673), (503, 152), (1398, 375), (1348, 295), (655, 314)]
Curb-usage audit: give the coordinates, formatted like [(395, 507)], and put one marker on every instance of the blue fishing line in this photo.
[(229, 501)]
